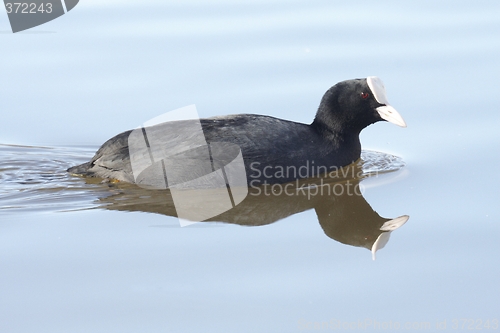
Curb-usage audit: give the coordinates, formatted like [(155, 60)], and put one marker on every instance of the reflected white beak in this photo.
[(382, 239), (389, 227), (393, 224), (390, 114)]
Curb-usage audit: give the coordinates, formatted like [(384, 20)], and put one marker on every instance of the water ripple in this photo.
[(34, 179)]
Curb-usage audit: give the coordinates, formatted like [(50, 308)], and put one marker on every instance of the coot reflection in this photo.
[(343, 213)]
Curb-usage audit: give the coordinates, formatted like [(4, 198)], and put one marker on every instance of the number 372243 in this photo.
[(28, 8)]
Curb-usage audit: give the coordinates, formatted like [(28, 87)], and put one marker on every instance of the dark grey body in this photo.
[(280, 145), (265, 142), (330, 141)]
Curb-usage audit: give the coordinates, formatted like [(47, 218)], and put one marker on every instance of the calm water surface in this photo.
[(82, 256)]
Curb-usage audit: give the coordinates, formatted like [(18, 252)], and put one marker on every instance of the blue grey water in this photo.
[(69, 264)]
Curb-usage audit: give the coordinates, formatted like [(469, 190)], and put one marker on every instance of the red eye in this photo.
[(364, 95)]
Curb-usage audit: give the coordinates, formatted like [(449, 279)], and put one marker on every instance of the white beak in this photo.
[(390, 114), (386, 111)]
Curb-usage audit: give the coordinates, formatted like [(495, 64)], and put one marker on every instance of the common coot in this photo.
[(273, 150)]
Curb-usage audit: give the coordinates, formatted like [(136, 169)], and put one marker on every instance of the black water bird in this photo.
[(272, 150)]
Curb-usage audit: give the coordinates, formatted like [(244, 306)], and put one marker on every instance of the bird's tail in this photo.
[(80, 170)]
